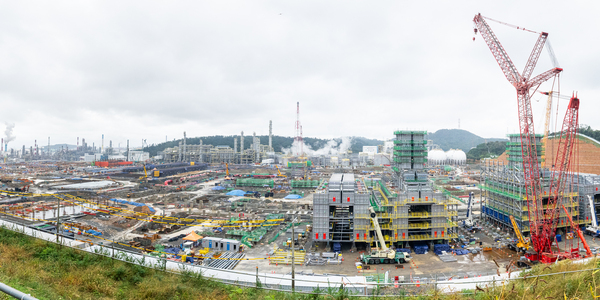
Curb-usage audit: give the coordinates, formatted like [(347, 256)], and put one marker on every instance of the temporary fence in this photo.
[(358, 286)]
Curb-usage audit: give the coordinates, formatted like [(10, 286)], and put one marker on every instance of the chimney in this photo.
[(270, 135)]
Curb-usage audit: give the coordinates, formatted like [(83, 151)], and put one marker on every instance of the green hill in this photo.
[(485, 150), (458, 139)]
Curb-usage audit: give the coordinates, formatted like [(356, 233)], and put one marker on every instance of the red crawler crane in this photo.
[(562, 166), (523, 83)]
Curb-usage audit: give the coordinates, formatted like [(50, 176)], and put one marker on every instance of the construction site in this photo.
[(406, 215)]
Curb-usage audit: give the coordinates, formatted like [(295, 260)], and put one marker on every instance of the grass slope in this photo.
[(49, 271)]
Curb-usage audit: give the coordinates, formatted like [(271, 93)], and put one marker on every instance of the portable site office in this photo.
[(220, 244)]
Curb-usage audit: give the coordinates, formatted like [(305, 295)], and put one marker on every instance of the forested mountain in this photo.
[(485, 150), (458, 139)]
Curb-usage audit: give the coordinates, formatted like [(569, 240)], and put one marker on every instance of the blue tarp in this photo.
[(293, 196), (132, 203), (172, 250), (93, 232), (236, 193), (218, 188), (438, 248)]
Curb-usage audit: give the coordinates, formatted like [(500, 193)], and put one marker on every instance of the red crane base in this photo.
[(548, 258)]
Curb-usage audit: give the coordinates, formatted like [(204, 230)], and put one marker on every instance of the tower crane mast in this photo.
[(523, 83)]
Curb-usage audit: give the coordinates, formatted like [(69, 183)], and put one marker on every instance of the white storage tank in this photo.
[(456, 157), (436, 157)]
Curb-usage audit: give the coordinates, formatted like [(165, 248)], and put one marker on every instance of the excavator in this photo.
[(382, 254), (279, 172)]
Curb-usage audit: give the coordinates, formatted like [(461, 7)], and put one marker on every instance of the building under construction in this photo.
[(505, 190), (415, 214)]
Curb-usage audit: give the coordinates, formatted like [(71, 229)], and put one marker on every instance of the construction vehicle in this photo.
[(543, 216), (227, 172), (469, 223), (279, 172), (145, 177), (382, 254), (520, 245), (593, 229)]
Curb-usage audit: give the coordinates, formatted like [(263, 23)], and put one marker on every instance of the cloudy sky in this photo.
[(153, 69)]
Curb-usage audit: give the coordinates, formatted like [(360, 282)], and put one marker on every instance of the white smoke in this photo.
[(8, 133), (331, 148)]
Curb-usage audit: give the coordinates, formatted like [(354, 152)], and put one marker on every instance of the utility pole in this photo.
[(293, 259), (57, 220)]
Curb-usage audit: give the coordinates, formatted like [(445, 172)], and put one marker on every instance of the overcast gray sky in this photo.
[(151, 69)]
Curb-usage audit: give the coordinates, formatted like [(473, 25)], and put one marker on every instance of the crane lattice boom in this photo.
[(523, 85)]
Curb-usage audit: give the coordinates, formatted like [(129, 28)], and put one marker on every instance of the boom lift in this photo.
[(383, 254)]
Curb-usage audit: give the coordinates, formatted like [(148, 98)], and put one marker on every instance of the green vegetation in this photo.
[(587, 130), (487, 150), (49, 271), (457, 139), (279, 142)]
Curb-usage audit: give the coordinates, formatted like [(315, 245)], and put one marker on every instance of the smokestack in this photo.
[(242, 143), (102, 149), (255, 146), (128, 150), (234, 145), (184, 146), (270, 135), (179, 152), (77, 143)]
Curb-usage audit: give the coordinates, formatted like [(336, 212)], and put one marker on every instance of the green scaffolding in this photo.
[(254, 182), (304, 183)]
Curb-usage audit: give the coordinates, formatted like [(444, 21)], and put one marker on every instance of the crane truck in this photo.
[(593, 229), (468, 223), (382, 254), (521, 245)]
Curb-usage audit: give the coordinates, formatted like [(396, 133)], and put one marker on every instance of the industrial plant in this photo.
[(401, 211)]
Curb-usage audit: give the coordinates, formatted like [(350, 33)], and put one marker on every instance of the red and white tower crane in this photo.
[(523, 84)]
